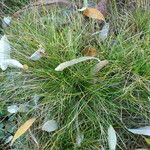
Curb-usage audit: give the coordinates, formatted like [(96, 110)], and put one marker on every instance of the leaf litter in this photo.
[(5, 59), (112, 138), (50, 126), (22, 129), (93, 13), (38, 54), (72, 62), (6, 21), (141, 131)]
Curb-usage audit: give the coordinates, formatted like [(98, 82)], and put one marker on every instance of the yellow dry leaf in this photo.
[(93, 13), (147, 141), (23, 129)]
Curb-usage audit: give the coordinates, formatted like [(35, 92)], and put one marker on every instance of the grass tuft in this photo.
[(118, 95)]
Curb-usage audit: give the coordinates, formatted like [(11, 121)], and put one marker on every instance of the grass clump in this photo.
[(77, 100)]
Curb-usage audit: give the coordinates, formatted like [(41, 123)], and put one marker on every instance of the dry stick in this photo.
[(34, 139), (41, 3)]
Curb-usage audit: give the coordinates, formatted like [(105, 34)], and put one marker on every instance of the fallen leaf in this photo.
[(103, 34), (99, 66), (102, 7), (6, 21), (89, 52), (79, 139), (11, 63), (82, 9), (93, 13), (8, 139), (13, 109), (72, 62), (5, 60), (50, 125), (141, 131), (112, 138), (5, 48), (21, 130), (38, 54)]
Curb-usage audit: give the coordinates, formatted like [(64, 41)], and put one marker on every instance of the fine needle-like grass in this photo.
[(77, 100)]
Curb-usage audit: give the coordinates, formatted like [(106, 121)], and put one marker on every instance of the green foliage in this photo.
[(118, 95), (9, 7)]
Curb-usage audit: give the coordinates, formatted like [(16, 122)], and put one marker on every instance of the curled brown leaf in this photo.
[(93, 13), (89, 52)]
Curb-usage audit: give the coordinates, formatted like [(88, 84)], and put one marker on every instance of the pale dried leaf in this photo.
[(38, 54), (141, 131), (93, 13), (103, 34), (6, 21), (99, 66), (112, 138), (5, 48), (72, 62), (5, 60), (82, 9), (12, 63), (8, 139), (21, 130), (50, 125), (12, 109)]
